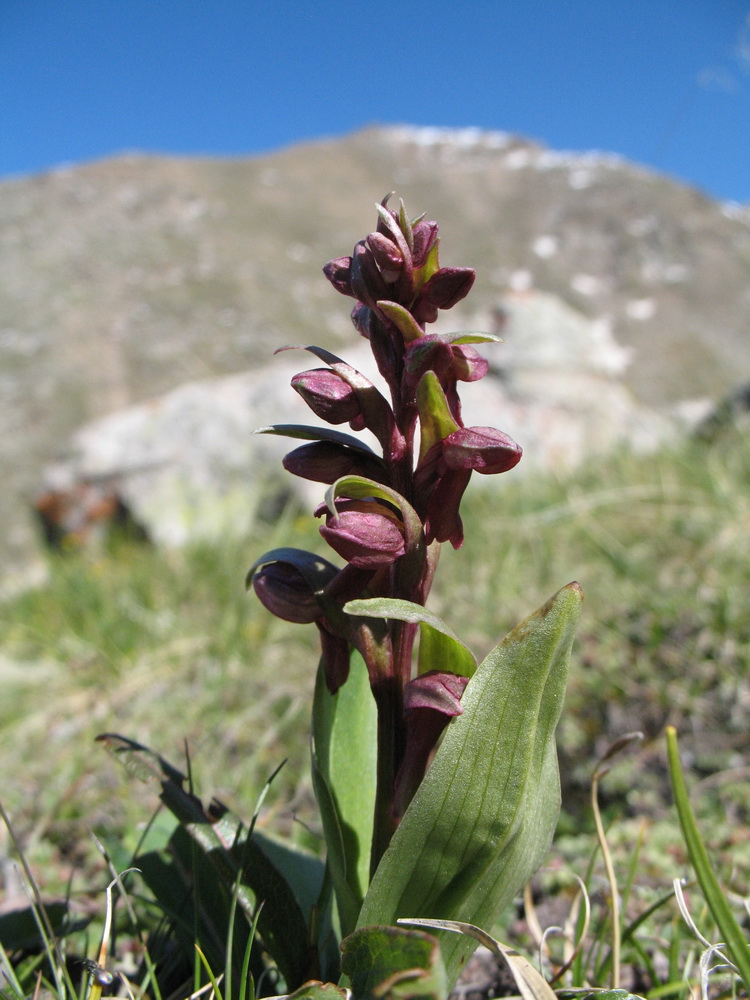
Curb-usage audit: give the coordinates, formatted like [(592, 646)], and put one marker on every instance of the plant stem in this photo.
[(391, 739)]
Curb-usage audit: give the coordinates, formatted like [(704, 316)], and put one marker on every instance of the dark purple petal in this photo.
[(424, 311), (437, 690), (468, 364), (387, 256), (368, 284), (326, 461), (483, 449), (339, 273), (443, 522), (283, 590), (362, 319), (448, 286), (328, 395), (428, 353)]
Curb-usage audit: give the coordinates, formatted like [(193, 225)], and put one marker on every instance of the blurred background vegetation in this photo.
[(166, 647)]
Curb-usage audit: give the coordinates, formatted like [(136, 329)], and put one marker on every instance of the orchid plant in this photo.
[(436, 778)]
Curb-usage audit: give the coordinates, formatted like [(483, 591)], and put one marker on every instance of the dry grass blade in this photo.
[(615, 748), (531, 983)]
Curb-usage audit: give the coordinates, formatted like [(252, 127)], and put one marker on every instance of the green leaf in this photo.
[(183, 882), (439, 647), (423, 274), (615, 994), (344, 741), (390, 963), (19, 929), (483, 817), (730, 930), (305, 433), (405, 225)]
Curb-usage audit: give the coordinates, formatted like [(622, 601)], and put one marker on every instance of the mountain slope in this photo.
[(124, 278)]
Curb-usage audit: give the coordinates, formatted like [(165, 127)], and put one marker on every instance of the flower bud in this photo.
[(368, 284), (339, 273), (365, 533), (483, 449), (286, 593), (328, 395), (425, 238), (448, 286), (387, 256)]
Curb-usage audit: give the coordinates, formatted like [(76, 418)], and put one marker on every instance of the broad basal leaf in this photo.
[(344, 745), (483, 817)]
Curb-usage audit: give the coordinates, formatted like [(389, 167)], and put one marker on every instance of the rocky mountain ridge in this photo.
[(124, 279)]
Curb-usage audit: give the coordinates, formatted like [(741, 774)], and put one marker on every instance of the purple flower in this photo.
[(329, 396), (399, 263), (483, 449), (364, 532), (444, 472), (285, 592)]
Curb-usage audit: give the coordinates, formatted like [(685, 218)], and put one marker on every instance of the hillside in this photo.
[(122, 279)]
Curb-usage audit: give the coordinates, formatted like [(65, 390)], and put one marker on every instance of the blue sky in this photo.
[(663, 82)]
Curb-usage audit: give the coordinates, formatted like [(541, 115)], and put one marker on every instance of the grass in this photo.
[(165, 647)]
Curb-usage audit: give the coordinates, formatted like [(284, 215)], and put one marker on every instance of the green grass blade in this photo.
[(210, 973), (725, 920)]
